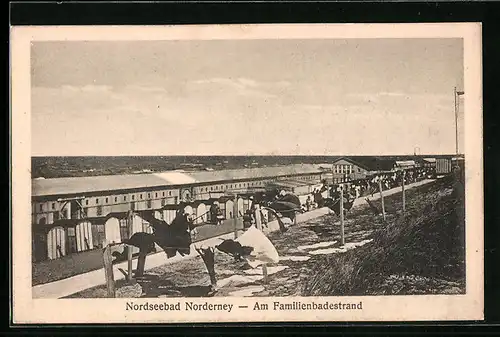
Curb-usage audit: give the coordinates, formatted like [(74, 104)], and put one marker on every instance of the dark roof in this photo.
[(93, 220), (352, 161), (225, 199), (372, 163), (171, 207), (149, 217), (103, 219), (66, 222), (209, 200)]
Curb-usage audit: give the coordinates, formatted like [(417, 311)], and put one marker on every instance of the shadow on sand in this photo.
[(153, 286)]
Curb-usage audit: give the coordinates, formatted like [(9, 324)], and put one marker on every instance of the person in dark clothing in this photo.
[(287, 204), (215, 213), (234, 249), (181, 222), (308, 203), (289, 197), (171, 238), (317, 198), (176, 237), (248, 218), (334, 192)]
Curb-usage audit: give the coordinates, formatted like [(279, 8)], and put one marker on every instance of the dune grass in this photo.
[(420, 252)]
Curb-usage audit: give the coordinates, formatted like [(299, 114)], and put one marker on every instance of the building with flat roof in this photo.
[(72, 215)]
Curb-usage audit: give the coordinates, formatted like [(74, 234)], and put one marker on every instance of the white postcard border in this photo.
[(375, 308)]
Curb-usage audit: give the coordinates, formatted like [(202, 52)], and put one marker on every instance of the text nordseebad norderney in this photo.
[(275, 305)]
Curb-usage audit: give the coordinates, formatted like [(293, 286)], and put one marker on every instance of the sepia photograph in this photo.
[(247, 173)]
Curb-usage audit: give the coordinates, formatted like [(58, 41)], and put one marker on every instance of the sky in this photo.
[(237, 97)]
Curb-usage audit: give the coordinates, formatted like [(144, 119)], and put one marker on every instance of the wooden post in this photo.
[(258, 223), (208, 256), (456, 118), (403, 190), (129, 248), (381, 197), (141, 263), (331, 186), (235, 214), (108, 271), (342, 240)]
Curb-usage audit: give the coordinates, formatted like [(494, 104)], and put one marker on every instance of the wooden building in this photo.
[(346, 169), (71, 215)]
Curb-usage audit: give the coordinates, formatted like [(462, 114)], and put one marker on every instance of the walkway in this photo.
[(274, 226)]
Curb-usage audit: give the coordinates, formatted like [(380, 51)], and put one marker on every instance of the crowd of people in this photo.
[(366, 187)]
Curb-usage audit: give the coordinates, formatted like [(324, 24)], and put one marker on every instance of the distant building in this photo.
[(346, 169), (405, 164), (428, 162)]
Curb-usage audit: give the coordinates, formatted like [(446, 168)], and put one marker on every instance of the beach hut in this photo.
[(188, 209), (229, 209), (136, 224), (169, 212), (222, 206), (112, 230), (56, 243), (240, 206), (84, 239), (168, 215), (146, 227), (201, 209)]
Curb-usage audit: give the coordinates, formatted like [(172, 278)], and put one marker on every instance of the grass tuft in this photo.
[(420, 252)]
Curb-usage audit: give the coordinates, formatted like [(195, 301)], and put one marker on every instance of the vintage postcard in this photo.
[(247, 173)]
